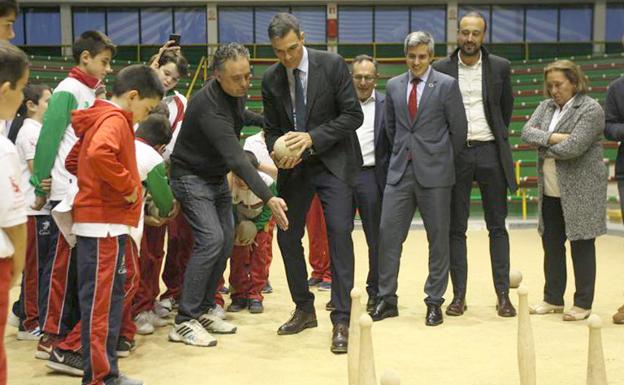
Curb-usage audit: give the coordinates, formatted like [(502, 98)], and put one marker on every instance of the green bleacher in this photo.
[(527, 80)]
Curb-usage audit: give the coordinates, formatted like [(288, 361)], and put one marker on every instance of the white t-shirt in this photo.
[(26, 143), (12, 205)]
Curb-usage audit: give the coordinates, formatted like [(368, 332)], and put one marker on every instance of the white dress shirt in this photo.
[(471, 85), (420, 88), (366, 132), (551, 182), (303, 75)]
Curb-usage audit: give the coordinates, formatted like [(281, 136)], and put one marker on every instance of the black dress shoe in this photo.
[(299, 321), (504, 306), (457, 307), (434, 315), (329, 306), (340, 339), (370, 304), (384, 310)]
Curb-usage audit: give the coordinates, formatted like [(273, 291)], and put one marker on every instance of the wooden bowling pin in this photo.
[(526, 346), (367, 360), (596, 372), (353, 350)]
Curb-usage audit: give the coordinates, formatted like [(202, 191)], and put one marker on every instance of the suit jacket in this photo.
[(614, 122), (382, 145), (497, 100), (581, 172), (333, 113), (431, 140)]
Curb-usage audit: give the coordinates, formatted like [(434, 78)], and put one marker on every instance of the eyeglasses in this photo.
[(368, 79)]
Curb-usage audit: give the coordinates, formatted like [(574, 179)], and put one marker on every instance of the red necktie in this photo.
[(412, 103)]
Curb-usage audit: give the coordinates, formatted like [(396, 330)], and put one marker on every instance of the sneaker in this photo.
[(237, 305), (124, 347), (314, 281), (66, 361), (268, 289), (255, 306), (123, 380), (29, 335), (143, 323), (216, 325), (324, 286), (45, 346), (576, 314), (545, 308), (157, 322), (217, 310), (164, 307), (224, 290), (329, 306), (191, 333), (13, 319)]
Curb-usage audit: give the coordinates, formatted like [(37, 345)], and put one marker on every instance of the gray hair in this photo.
[(281, 24), (230, 51), (417, 38), (363, 58)]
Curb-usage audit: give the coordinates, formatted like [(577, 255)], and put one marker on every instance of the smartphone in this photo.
[(175, 37)]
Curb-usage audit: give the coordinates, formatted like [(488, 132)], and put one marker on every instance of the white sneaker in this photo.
[(214, 324), (191, 333), (30, 335), (143, 322), (164, 307), (13, 320), (218, 311), (123, 380), (157, 321)]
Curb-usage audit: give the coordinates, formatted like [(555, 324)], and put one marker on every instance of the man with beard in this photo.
[(485, 84)]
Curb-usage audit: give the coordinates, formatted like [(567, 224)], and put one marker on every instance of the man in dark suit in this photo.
[(309, 97), (426, 131), (371, 180), (485, 83)]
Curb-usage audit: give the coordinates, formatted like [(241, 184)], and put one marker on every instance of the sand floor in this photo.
[(476, 349)]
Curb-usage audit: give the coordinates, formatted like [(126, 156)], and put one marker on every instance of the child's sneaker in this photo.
[(191, 333), (218, 311), (143, 323), (124, 347), (45, 346), (164, 307), (29, 335), (214, 324), (13, 319), (66, 361)]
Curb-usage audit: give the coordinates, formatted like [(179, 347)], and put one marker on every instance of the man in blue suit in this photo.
[(371, 181), (426, 127)]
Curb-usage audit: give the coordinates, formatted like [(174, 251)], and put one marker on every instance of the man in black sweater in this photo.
[(206, 150)]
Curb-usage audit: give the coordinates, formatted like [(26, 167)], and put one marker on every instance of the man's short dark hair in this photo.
[(230, 51), (13, 64), (477, 15), (281, 24), (155, 130), (8, 7), (363, 58), (141, 78), (94, 42)]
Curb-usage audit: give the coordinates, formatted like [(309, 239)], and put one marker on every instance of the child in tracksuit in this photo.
[(93, 52), (107, 205)]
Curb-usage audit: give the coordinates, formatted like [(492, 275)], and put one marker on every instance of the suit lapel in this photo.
[(569, 113), (313, 83), (378, 114), (284, 91), (402, 103), (429, 87)]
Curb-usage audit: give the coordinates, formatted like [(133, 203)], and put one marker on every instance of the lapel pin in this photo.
[(430, 85)]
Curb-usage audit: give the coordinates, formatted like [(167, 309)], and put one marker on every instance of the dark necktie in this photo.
[(300, 106), (412, 104)]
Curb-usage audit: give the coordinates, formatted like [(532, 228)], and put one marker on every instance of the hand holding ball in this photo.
[(245, 233), (281, 150)]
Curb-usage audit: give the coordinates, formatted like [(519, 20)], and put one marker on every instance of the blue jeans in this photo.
[(208, 209)]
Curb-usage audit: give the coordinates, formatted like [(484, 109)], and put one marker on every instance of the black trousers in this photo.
[(367, 201), (583, 259), (337, 201), (480, 164)]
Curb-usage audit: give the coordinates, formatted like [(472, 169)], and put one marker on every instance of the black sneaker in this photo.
[(124, 347), (237, 305), (66, 361), (329, 306), (255, 306), (268, 289)]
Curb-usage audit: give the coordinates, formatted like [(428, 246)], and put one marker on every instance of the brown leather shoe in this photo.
[(457, 307), (618, 318), (340, 339), (299, 321), (504, 306)]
